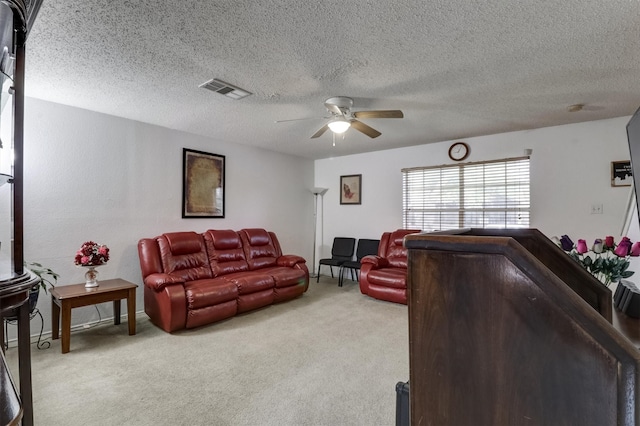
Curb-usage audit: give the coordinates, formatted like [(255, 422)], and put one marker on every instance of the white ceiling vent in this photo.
[(226, 89)]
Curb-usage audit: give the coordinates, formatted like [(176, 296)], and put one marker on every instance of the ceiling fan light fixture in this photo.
[(339, 125)]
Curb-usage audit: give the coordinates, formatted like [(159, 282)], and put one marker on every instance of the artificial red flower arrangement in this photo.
[(606, 260), (92, 254)]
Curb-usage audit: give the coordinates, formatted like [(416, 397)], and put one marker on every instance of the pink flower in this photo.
[(582, 248), (609, 262), (92, 254), (623, 248)]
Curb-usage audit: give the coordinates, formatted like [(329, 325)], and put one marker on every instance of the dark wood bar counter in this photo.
[(627, 326), (506, 329)]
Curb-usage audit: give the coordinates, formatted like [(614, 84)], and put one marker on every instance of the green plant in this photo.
[(46, 275)]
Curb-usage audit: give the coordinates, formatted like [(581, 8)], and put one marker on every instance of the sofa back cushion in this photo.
[(184, 255), (149, 255), (396, 253), (225, 252), (259, 249)]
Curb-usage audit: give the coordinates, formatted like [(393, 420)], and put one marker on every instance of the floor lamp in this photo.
[(316, 192)]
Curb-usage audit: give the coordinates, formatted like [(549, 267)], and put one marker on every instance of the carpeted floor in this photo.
[(331, 357)]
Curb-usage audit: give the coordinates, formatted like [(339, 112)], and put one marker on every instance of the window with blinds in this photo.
[(490, 194)]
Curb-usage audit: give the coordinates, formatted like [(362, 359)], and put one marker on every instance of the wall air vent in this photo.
[(226, 89)]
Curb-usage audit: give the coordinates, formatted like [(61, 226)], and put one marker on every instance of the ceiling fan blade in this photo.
[(321, 131), (334, 109), (300, 119), (361, 127), (392, 113)]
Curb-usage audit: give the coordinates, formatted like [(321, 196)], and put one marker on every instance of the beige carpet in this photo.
[(331, 357)]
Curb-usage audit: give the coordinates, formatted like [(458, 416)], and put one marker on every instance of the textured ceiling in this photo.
[(455, 68)]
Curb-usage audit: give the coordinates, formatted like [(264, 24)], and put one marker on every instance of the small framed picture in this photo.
[(202, 184), (351, 189), (621, 173)]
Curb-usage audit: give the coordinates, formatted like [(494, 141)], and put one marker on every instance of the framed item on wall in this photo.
[(351, 189), (621, 174), (202, 184)]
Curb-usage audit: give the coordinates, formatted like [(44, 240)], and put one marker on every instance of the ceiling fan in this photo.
[(342, 117)]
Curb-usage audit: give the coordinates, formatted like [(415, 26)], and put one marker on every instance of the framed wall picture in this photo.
[(621, 174), (202, 184), (351, 189)]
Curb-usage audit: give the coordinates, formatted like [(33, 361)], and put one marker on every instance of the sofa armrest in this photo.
[(159, 281), (290, 260), (375, 261)]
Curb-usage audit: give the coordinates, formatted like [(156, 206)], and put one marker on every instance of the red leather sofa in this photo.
[(384, 276), (193, 279)]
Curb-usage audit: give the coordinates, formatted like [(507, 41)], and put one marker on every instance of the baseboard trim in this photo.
[(46, 335)]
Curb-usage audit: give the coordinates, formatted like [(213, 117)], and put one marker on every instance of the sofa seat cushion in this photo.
[(282, 294), (388, 277), (285, 277), (256, 300), (251, 282), (208, 292), (209, 314), (395, 295)]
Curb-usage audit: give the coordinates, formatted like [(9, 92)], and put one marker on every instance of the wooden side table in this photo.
[(68, 297)]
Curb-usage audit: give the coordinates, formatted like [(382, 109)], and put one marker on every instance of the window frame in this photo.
[(520, 191)]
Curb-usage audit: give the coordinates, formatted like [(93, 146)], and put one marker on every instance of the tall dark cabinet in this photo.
[(16, 19), (506, 329)]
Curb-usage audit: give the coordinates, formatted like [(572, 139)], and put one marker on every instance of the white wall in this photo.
[(91, 176), (570, 171), (94, 176)]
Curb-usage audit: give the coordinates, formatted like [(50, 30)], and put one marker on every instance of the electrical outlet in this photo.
[(596, 208)]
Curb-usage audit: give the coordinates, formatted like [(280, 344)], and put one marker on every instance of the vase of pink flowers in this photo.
[(90, 255), (606, 260)]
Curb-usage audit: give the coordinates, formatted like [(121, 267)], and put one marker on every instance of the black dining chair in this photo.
[(365, 248), (341, 251)]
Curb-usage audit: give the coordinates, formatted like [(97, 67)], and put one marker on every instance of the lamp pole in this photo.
[(316, 192)]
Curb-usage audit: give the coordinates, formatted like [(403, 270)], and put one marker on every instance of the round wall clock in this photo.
[(458, 151)]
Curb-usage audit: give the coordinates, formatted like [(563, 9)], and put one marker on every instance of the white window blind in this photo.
[(489, 194)]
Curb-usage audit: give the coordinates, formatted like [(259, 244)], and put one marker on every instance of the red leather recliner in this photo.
[(194, 279), (227, 258), (289, 272), (179, 289), (384, 276)]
